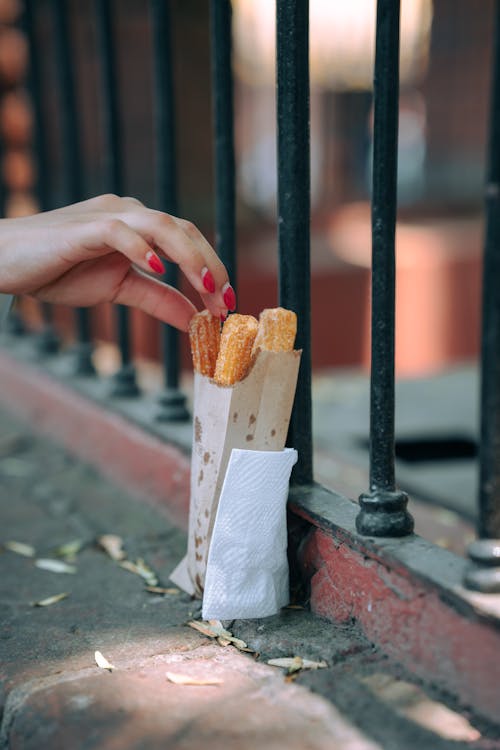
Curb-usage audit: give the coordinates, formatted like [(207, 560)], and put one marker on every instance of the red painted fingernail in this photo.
[(223, 317), (208, 280), (229, 297), (154, 262)]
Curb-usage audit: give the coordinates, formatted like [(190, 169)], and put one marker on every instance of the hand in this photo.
[(98, 250)]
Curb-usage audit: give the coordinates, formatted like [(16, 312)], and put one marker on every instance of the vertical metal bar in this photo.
[(48, 341), (223, 118), (72, 162), (489, 453), (292, 40), (124, 381), (484, 572), (172, 401), (383, 510)]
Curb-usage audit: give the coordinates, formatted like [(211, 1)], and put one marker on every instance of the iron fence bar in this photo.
[(172, 401), (485, 552), (489, 453), (292, 46), (72, 163), (124, 380), (223, 119), (48, 341), (383, 507)]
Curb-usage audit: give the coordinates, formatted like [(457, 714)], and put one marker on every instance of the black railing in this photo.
[(383, 507), (292, 47), (485, 575), (71, 153), (124, 380), (172, 401)]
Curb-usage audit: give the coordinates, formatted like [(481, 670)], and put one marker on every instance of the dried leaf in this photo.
[(113, 545), (15, 467), (55, 566), (295, 663), (161, 590), (140, 568), (215, 629), (50, 600), (20, 548), (102, 662), (182, 679), (70, 549)]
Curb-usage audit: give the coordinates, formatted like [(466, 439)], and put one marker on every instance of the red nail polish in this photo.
[(223, 317), (208, 280), (229, 297), (154, 262)]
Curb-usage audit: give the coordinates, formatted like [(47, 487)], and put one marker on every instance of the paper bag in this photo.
[(253, 414)]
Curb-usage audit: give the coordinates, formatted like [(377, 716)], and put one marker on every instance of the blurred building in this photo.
[(445, 72)]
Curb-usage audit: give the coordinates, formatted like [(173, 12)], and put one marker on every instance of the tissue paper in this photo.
[(247, 566)]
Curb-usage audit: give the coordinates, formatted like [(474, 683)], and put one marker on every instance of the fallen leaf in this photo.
[(50, 600), (20, 548), (113, 545), (102, 662), (70, 549), (295, 663), (55, 566), (215, 629), (141, 569), (182, 679), (161, 590), (15, 467)]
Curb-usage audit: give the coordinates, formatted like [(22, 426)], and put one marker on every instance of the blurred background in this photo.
[(445, 78)]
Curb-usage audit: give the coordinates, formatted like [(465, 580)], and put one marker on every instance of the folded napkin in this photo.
[(247, 566)]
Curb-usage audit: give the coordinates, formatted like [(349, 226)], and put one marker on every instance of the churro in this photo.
[(277, 330), (235, 353), (204, 337)]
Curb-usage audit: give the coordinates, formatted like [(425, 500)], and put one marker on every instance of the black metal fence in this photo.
[(383, 509)]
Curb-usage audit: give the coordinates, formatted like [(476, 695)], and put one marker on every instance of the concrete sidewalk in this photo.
[(53, 695)]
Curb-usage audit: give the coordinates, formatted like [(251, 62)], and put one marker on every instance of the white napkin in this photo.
[(247, 566)]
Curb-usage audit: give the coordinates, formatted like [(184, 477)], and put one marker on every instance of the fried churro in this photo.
[(204, 337), (235, 353), (277, 330)]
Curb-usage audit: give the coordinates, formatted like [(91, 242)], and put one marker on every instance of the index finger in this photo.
[(184, 244)]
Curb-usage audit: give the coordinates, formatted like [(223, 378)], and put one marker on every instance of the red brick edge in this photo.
[(134, 460), (407, 616), (408, 619)]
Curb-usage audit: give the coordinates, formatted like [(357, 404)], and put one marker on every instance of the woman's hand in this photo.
[(98, 250)]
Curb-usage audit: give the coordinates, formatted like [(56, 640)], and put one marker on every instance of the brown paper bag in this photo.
[(253, 414)]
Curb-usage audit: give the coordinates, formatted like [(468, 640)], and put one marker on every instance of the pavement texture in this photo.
[(53, 694)]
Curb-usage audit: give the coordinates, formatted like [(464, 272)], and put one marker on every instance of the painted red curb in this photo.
[(138, 462), (407, 620)]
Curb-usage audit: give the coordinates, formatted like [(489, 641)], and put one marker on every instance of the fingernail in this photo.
[(223, 317), (208, 280), (229, 296), (154, 262)]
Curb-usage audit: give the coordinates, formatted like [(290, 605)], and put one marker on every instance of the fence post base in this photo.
[(48, 341), (172, 406), (83, 364), (124, 383), (484, 573), (384, 513)]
